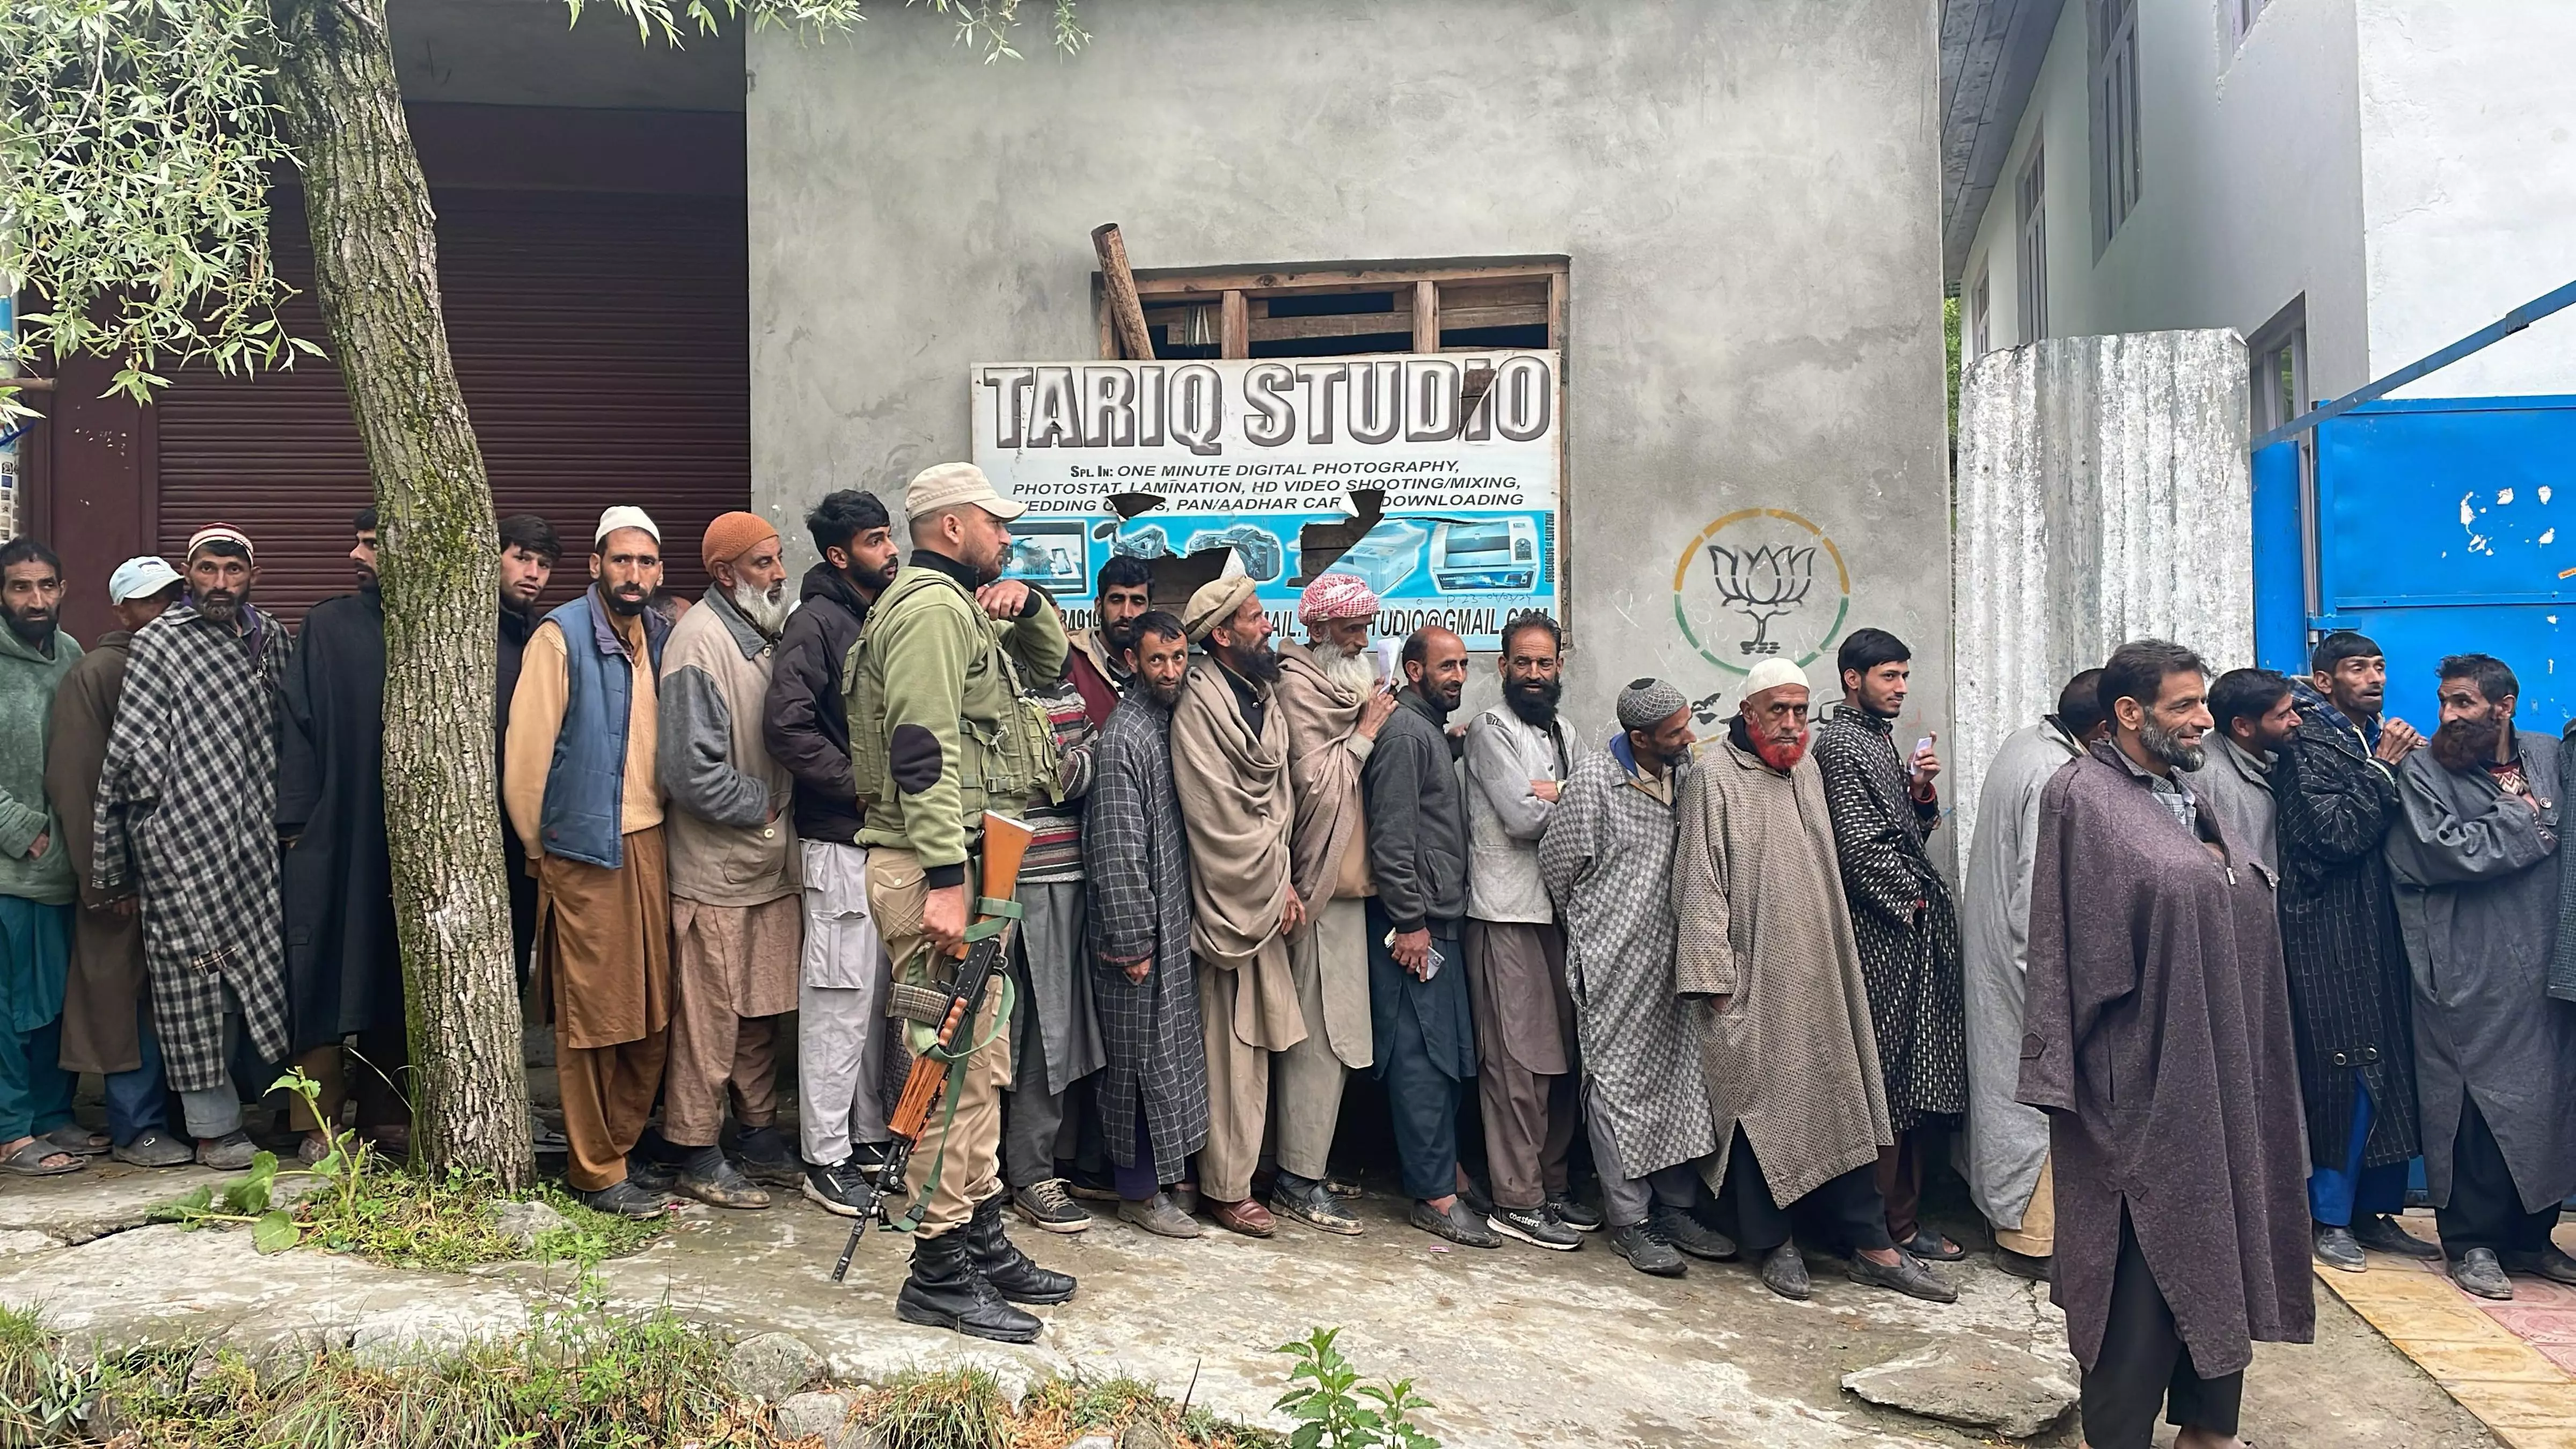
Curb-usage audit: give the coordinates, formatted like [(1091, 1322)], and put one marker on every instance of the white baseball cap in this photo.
[(140, 578)]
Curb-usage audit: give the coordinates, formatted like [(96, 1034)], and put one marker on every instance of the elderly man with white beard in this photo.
[(1334, 704), (737, 910)]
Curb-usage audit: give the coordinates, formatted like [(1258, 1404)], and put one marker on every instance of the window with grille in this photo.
[(2116, 170), (1326, 311), (2031, 255)]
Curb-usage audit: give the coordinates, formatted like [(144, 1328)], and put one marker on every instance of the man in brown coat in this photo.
[(580, 786), (1334, 706), (107, 1018), (737, 909), (2158, 1041), (1230, 770), (1785, 1041)]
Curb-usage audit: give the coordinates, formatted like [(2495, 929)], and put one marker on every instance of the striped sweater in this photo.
[(1055, 849)]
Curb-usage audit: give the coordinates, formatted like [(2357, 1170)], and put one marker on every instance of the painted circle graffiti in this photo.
[(1757, 584)]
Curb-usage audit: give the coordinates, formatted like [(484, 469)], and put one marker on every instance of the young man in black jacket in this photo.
[(841, 1030), (1418, 1001)]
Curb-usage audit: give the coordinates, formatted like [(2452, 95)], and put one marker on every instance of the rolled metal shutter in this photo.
[(602, 341)]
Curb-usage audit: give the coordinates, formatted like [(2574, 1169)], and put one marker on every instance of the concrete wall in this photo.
[(2103, 496), (2468, 125), (1748, 191), (2251, 190)]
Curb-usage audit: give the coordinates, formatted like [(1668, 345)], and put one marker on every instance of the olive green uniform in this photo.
[(941, 729)]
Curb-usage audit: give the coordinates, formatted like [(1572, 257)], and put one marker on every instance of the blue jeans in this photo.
[(35, 1091), (137, 1101), (2335, 1194)]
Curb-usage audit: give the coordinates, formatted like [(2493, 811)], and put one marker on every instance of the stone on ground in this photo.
[(1144, 1436), (1973, 1383), (771, 1366), (524, 1222), (825, 1417)]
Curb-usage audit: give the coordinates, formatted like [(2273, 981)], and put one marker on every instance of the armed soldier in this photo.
[(942, 725)]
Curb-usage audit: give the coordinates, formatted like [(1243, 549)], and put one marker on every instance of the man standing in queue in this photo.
[(941, 726)]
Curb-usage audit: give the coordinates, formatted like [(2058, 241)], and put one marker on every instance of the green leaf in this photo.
[(248, 1197), (263, 1163), (275, 1232), (187, 1204)]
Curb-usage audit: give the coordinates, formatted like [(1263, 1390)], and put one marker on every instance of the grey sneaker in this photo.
[(1677, 1227), (1535, 1226), (1646, 1252), (1160, 1216), (229, 1153), (155, 1149), (1049, 1208), (1906, 1275)]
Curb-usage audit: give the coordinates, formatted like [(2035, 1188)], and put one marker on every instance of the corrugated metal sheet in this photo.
[(603, 347), (2103, 496)]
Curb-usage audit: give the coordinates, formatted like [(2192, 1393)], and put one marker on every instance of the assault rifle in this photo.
[(1006, 841)]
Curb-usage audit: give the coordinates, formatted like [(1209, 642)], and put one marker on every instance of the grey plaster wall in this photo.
[(1748, 190)]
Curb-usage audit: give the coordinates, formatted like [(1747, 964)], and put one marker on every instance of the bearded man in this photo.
[(1607, 859), (1525, 1056), (586, 803), (37, 1135), (1153, 1091), (1098, 664), (336, 884), (2007, 1162), (107, 1017), (2158, 1041), (1884, 808), (1769, 962), (1425, 1031), (2252, 716), (841, 1028), (2478, 893), (2334, 792), (737, 911), (1230, 765), (193, 758), (1335, 706)]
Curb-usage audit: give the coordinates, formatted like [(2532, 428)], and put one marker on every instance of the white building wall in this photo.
[(2468, 144), (2251, 194)]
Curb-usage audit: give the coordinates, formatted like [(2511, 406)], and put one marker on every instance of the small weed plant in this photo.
[(1334, 1409)]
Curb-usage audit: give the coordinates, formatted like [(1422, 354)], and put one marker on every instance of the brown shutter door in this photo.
[(602, 341)]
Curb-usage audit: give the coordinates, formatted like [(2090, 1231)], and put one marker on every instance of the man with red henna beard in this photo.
[(1772, 973)]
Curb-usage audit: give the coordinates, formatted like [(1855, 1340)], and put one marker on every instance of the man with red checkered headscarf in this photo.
[(1333, 703)]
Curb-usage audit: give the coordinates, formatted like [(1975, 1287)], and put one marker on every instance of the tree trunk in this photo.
[(375, 262)]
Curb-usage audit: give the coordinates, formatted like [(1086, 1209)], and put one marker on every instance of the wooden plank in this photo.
[(1119, 281), (1369, 324), (1556, 313), (1234, 328), (1259, 282), (1426, 316), (1108, 327)]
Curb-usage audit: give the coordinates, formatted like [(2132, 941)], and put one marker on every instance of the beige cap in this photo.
[(625, 515), (1772, 673), (945, 485)]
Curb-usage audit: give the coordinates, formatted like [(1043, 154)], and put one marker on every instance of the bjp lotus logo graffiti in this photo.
[(1757, 584), (1763, 582)]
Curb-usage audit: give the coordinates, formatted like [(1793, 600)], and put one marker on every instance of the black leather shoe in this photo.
[(722, 1185), (2022, 1265), (1785, 1273), (2477, 1271), (1462, 1224), (648, 1174), (2336, 1249), (2548, 1263), (1304, 1200), (1003, 1265), (625, 1200), (2380, 1234), (944, 1291), (1907, 1275)]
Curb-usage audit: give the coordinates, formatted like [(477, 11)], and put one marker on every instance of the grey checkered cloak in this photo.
[(1136, 861), (1607, 858), (1902, 916), (186, 805)]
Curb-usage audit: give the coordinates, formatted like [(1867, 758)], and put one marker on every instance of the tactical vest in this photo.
[(1006, 751)]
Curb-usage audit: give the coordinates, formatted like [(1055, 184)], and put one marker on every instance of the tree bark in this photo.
[(375, 257)]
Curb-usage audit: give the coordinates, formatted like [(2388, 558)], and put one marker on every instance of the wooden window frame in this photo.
[(2112, 87), (2031, 247)]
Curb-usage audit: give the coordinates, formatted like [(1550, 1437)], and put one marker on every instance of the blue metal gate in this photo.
[(2442, 526)]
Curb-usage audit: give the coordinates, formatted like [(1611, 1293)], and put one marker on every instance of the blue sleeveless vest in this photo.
[(586, 787)]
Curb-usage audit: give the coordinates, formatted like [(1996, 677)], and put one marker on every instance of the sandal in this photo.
[(1930, 1247), (32, 1159), (73, 1138)]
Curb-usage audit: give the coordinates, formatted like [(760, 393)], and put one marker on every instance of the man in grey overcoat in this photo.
[(2495, 1057)]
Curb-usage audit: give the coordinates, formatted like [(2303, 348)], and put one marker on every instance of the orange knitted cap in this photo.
[(732, 535)]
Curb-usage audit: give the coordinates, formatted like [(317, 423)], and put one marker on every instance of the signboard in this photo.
[(1249, 455)]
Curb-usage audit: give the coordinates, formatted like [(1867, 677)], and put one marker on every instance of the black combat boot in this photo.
[(1003, 1265), (945, 1291)]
